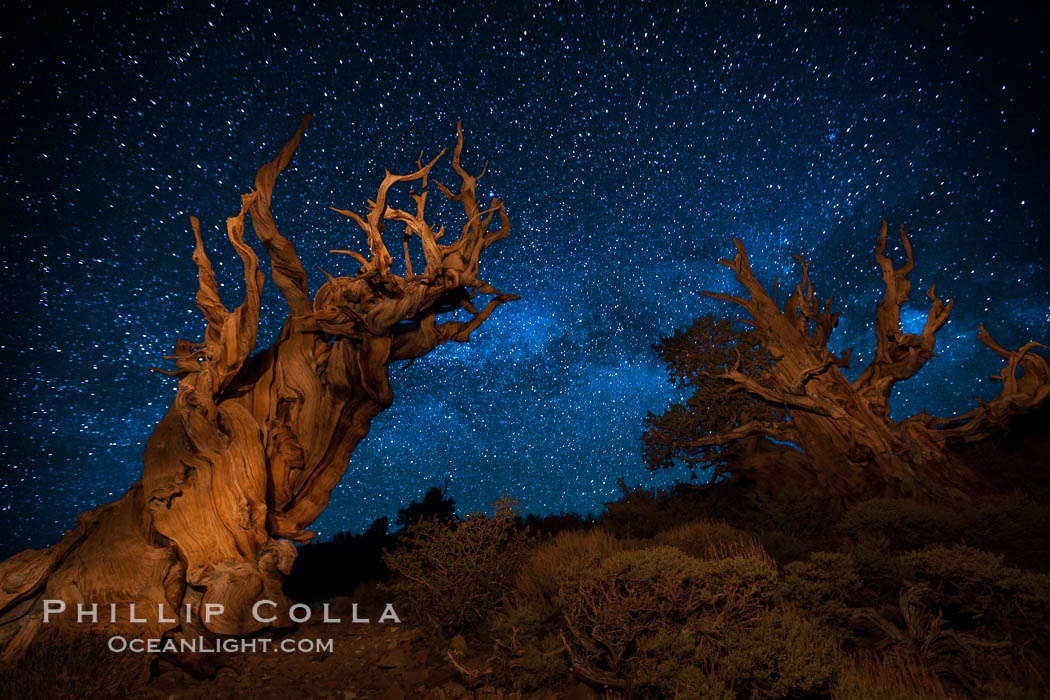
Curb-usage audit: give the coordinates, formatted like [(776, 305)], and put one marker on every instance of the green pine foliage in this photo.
[(694, 358)]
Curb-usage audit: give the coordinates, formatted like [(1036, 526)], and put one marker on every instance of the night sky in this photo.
[(630, 145)]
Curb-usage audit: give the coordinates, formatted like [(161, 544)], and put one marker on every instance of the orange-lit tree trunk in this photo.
[(846, 442), (248, 453)]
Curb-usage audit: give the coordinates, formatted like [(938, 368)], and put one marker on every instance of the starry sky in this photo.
[(630, 144)]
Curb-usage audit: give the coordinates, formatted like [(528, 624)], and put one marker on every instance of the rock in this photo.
[(395, 658), (340, 606), (394, 692), (581, 691), (454, 690), (459, 644), (416, 677), (545, 694), (489, 692)]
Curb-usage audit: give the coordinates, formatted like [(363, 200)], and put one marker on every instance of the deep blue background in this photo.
[(630, 144)]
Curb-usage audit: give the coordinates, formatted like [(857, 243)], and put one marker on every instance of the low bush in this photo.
[(888, 677), (794, 511), (904, 523), (527, 630), (562, 561), (782, 654), (973, 589), (790, 523), (878, 565), (705, 539), (454, 574), (436, 505), (1014, 522), (651, 620), (827, 587), (643, 513)]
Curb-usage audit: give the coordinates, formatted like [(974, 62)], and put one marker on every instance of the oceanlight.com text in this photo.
[(201, 645)]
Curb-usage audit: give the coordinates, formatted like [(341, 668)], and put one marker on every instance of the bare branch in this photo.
[(781, 430), (416, 339), (286, 268), (374, 226), (739, 301), (789, 400), (898, 355), (1018, 394)]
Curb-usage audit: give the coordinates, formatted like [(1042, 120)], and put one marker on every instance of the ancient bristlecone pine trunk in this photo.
[(248, 453), (847, 444)]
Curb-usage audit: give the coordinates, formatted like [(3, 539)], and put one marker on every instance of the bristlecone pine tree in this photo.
[(252, 445), (776, 382)]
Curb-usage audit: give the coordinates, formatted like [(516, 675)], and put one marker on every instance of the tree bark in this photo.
[(248, 453), (842, 430)]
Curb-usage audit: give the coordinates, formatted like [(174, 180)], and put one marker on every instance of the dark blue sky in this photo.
[(630, 144)]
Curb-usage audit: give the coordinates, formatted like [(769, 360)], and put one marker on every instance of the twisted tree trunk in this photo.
[(248, 453), (842, 437)]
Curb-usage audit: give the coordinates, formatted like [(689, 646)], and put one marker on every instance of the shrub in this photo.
[(963, 614), (655, 621), (1012, 521), (435, 505), (969, 578), (1007, 690), (454, 575), (878, 565), (562, 561), (705, 539), (543, 664), (826, 586), (643, 513), (923, 635), (650, 620), (904, 523), (793, 510), (550, 525), (527, 630), (973, 589), (792, 522), (783, 654), (889, 677)]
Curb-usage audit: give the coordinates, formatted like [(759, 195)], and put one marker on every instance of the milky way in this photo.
[(630, 146)]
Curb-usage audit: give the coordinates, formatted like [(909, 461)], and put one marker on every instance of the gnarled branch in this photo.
[(286, 268), (375, 301), (252, 446), (1018, 394), (898, 355)]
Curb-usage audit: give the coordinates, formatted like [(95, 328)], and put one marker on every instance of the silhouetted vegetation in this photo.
[(329, 569), (434, 506), (696, 359), (453, 574)]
